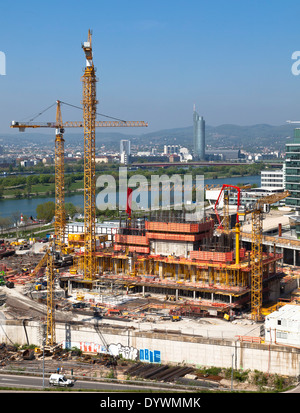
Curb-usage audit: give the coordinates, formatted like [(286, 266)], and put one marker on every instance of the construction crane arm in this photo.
[(77, 124), (271, 199)]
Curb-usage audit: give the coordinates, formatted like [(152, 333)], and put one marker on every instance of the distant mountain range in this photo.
[(253, 137)]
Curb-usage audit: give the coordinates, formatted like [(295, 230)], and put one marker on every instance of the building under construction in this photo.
[(182, 261), (164, 253)]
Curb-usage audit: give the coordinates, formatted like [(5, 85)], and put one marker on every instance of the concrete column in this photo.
[(143, 291), (294, 257), (69, 287), (176, 294), (161, 270)]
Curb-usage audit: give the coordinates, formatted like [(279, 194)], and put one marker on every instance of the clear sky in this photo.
[(154, 59)]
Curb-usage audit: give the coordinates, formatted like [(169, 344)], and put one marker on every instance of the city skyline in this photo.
[(233, 59)]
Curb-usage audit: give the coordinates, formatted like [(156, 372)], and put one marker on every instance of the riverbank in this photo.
[(46, 190), (27, 206)]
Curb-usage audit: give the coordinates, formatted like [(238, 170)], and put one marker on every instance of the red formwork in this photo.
[(212, 256), (178, 227), (132, 248), (174, 237), (131, 239)]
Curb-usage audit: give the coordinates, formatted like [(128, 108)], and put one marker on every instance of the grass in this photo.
[(42, 189)]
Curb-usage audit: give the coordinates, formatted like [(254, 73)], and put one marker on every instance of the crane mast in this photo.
[(89, 104), (256, 264), (50, 335), (60, 215)]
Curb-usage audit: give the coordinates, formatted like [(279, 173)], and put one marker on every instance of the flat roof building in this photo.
[(283, 326)]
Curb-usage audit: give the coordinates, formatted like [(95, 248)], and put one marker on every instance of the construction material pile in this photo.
[(158, 372), (7, 353), (17, 269)]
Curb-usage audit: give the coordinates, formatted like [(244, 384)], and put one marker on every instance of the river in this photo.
[(28, 206)]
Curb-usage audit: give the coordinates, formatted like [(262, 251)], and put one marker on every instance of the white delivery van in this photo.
[(60, 380)]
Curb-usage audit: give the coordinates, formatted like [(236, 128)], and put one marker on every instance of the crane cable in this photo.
[(74, 106), (101, 114)]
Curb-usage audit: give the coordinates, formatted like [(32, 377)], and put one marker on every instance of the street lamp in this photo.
[(232, 371), (44, 342)]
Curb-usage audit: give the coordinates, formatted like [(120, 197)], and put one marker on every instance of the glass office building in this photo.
[(199, 136), (292, 170)]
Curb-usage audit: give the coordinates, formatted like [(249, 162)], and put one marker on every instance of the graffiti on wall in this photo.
[(150, 356), (126, 352)]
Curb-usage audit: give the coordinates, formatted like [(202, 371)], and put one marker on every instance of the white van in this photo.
[(60, 380)]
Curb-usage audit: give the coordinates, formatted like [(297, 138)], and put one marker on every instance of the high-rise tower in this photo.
[(199, 136)]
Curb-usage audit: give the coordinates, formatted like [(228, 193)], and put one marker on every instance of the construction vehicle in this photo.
[(224, 225), (63, 260), (113, 312)]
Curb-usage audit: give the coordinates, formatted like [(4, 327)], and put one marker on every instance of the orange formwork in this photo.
[(211, 255), (175, 237), (178, 227), (131, 239)]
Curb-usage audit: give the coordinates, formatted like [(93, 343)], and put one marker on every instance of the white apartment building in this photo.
[(272, 179)]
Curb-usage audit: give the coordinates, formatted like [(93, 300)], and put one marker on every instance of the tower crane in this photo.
[(60, 216), (260, 206), (89, 103), (89, 124)]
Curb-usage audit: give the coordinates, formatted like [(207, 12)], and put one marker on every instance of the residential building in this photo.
[(171, 149), (125, 151), (272, 179), (125, 147)]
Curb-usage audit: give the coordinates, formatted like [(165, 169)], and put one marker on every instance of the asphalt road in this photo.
[(31, 382)]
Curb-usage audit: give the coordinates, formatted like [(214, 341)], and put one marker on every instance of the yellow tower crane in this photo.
[(260, 206), (89, 103), (60, 215)]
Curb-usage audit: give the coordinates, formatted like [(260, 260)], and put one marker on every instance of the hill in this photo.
[(252, 137)]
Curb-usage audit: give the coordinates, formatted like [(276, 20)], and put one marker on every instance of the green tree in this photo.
[(46, 211), (70, 209)]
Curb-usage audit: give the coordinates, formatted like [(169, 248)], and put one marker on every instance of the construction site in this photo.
[(207, 275)]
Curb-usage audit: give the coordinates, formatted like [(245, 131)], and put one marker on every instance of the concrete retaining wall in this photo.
[(162, 347)]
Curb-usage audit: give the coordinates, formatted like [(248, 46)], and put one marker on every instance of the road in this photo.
[(31, 382)]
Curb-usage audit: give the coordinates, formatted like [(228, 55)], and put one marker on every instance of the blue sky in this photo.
[(154, 60)]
